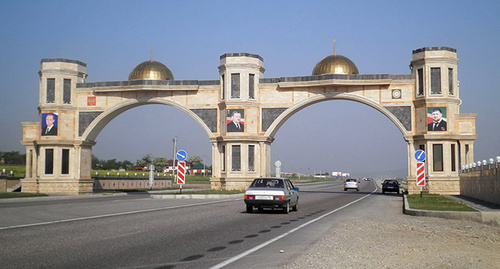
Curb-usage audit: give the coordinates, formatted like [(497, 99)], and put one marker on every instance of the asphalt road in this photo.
[(135, 231)]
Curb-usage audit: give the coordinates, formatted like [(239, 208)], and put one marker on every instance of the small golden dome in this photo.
[(151, 70), (335, 64)]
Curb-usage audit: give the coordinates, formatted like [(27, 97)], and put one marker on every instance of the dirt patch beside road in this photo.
[(384, 237)]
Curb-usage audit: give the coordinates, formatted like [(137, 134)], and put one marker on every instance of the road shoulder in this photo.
[(383, 237)]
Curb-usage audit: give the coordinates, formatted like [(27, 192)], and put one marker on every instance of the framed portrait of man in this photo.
[(436, 119), (235, 120), (49, 124)]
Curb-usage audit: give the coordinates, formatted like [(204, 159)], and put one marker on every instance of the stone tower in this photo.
[(441, 131), (241, 150), (52, 145)]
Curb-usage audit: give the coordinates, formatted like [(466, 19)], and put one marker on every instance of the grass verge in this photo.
[(207, 192), (19, 195), (436, 202)]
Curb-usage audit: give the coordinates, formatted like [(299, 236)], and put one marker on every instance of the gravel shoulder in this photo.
[(383, 237)]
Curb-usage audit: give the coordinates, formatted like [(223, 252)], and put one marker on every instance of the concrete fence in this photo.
[(130, 183), (481, 180), (8, 184)]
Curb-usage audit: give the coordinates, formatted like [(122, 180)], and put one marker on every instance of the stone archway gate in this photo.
[(61, 163)]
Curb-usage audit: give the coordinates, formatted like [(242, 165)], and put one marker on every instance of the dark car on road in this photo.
[(272, 193), (390, 185)]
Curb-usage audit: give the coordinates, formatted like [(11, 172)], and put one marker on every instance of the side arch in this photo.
[(281, 119), (96, 126)]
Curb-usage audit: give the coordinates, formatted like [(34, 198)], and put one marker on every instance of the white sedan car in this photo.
[(272, 193), (351, 183)]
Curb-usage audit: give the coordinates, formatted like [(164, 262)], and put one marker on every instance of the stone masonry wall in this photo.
[(483, 185), (7, 183), (130, 184)]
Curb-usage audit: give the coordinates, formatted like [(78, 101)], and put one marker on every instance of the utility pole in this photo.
[(173, 159), (204, 169)]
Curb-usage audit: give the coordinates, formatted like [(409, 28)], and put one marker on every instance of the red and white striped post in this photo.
[(420, 176), (181, 174)]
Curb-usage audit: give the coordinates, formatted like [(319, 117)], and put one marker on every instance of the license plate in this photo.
[(263, 197)]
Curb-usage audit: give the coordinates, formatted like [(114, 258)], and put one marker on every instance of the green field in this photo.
[(19, 170)]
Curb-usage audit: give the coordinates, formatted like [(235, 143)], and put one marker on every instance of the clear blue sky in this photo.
[(292, 36)]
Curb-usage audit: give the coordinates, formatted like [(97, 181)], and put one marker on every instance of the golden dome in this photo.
[(151, 70), (335, 64)]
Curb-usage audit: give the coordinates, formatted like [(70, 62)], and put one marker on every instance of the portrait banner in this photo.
[(235, 120), (49, 124), (436, 119)]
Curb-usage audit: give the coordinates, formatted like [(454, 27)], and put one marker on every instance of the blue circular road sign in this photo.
[(420, 155), (181, 155)]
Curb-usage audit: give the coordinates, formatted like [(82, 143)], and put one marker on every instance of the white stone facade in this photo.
[(264, 104)]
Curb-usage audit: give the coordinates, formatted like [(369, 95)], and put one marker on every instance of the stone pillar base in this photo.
[(232, 184), (217, 183), (436, 185), (58, 187), (29, 185)]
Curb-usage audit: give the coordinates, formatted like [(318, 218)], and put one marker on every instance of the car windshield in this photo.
[(267, 182), (390, 182), (350, 180)]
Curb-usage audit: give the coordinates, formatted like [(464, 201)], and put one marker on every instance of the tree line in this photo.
[(16, 158), (159, 162), (12, 157)]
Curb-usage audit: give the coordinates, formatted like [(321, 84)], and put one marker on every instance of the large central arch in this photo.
[(273, 129), (60, 163)]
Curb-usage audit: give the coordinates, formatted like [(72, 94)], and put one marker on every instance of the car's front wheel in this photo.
[(249, 209), (296, 206), (286, 209)]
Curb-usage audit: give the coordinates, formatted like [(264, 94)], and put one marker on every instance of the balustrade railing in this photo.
[(481, 165)]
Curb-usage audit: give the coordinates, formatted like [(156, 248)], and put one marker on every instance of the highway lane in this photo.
[(40, 211), (167, 233)]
